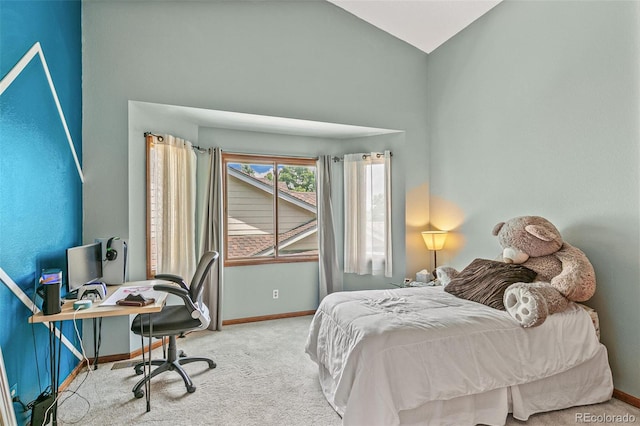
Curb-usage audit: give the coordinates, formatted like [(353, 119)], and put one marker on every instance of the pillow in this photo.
[(485, 281)]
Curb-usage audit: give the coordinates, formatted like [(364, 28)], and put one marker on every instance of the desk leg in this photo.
[(97, 340), (54, 366), (146, 366), (148, 383)]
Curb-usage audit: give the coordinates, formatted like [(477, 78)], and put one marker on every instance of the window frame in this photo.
[(277, 161), (151, 241)]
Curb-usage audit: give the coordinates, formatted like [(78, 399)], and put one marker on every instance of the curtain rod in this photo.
[(161, 139), (364, 156), (285, 156)]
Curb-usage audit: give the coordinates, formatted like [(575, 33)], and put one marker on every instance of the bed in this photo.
[(423, 356)]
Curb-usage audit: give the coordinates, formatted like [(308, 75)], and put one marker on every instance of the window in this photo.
[(270, 209), (367, 238)]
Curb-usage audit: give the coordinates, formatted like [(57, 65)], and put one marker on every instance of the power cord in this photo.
[(86, 362), (75, 326), (75, 393), (25, 408), (44, 400), (35, 347)]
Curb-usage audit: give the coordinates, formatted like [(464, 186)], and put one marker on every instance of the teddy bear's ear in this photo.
[(497, 228), (541, 232)]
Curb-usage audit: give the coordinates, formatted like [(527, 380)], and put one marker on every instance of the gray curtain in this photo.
[(210, 237), (329, 273)]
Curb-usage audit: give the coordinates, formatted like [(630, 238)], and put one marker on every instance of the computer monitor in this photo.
[(84, 265)]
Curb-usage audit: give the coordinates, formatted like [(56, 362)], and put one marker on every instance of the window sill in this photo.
[(271, 261)]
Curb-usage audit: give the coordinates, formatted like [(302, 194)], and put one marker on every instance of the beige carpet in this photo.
[(263, 377)]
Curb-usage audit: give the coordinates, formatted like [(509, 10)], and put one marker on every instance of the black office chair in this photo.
[(174, 320)]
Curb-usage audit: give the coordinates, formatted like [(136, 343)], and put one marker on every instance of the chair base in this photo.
[(172, 363)]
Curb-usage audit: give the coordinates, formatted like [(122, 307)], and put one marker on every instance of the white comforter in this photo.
[(392, 350)]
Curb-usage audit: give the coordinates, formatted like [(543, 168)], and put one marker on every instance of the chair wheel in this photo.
[(182, 354), (138, 394), (138, 371), (191, 389), (212, 364)]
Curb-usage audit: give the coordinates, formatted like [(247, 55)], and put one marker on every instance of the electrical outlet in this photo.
[(276, 293), (14, 390)]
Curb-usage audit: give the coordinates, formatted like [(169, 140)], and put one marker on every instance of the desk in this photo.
[(95, 311)]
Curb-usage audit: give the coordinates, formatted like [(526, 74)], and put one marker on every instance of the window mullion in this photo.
[(276, 182)]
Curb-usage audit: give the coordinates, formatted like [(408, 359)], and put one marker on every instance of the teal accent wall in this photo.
[(40, 188)]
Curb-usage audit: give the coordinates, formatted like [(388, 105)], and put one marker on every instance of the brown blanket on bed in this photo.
[(485, 281)]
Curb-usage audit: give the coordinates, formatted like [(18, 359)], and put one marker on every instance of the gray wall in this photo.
[(531, 110), (248, 289), (534, 109), (308, 60)]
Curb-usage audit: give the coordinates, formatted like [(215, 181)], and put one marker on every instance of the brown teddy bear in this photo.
[(564, 273)]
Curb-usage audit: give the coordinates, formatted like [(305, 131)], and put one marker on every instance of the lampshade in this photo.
[(434, 240)]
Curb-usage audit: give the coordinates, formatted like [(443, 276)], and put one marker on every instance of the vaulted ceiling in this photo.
[(425, 24)]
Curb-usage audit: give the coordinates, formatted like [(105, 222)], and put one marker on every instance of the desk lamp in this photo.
[(434, 240)]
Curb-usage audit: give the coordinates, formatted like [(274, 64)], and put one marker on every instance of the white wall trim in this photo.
[(6, 280), (6, 81)]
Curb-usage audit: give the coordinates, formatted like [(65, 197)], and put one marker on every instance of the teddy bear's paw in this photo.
[(525, 306)]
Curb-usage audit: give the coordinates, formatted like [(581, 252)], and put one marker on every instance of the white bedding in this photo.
[(382, 352)]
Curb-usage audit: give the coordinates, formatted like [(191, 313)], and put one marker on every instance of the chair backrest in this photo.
[(196, 287)]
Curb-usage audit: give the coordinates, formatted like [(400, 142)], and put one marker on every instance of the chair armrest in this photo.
[(168, 288), (180, 292), (173, 278)]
